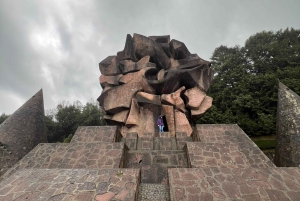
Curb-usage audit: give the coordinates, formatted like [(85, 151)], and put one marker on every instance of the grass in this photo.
[(265, 144)]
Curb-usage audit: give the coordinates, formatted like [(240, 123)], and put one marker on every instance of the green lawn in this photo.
[(265, 144)]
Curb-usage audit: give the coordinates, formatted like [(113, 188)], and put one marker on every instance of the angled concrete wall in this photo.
[(287, 152), (22, 131)]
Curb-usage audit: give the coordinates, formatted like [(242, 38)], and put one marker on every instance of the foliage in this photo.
[(245, 86), (68, 139), (62, 122), (265, 144), (3, 117)]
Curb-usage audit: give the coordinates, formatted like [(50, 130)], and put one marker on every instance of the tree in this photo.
[(3, 117), (62, 122), (246, 80)]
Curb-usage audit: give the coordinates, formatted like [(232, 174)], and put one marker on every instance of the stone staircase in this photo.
[(90, 167), (151, 142), (154, 155), (221, 163)]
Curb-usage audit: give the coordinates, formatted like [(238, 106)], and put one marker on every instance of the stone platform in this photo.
[(94, 134), (71, 185), (72, 156), (239, 184), (218, 162)]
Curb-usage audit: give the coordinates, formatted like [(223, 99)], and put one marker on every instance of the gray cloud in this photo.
[(57, 45)]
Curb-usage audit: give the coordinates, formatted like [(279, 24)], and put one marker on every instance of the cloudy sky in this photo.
[(57, 44)]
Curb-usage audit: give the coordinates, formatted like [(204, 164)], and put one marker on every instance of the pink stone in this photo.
[(174, 99), (120, 116), (205, 105), (168, 111), (143, 97), (181, 123), (134, 113), (122, 194), (109, 80), (128, 77), (113, 102), (110, 66), (161, 74), (105, 196), (194, 97)]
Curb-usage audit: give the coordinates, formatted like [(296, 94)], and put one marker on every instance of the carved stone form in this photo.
[(22, 131), (287, 153), (150, 77)]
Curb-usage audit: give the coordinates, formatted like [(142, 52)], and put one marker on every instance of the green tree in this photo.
[(3, 117), (62, 122), (246, 80)]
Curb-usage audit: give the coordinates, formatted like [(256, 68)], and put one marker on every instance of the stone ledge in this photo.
[(247, 184), (95, 134), (72, 156), (231, 135), (71, 184)]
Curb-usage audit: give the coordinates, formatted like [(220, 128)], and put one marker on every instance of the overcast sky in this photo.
[(57, 44)]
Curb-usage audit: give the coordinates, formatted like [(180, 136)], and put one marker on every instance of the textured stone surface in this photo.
[(194, 98), (205, 105), (168, 112), (153, 192), (155, 163), (145, 120), (95, 134), (247, 184), (225, 145), (109, 80), (182, 123), (22, 131), (156, 71), (143, 97), (287, 151), (72, 156), (110, 66), (67, 184), (174, 99)]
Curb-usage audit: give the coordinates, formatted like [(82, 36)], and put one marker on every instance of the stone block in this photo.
[(182, 123), (110, 66)]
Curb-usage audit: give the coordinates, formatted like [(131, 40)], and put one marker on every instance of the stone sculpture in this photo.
[(287, 152), (154, 76), (22, 131)]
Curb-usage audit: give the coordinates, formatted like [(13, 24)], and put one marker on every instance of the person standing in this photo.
[(160, 123)]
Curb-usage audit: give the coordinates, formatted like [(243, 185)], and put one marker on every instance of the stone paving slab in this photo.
[(71, 185), (153, 192), (239, 184), (94, 134), (227, 139), (72, 156), (215, 133), (182, 139), (154, 163), (225, 155)]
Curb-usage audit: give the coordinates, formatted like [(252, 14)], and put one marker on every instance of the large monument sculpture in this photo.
[(154, 76)]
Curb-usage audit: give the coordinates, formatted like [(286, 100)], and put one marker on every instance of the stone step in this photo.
[(153, 192), (239, 184), (162, 142), (72, 156), (154, 164), (225, 145), (71, 184), (95, 134)]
